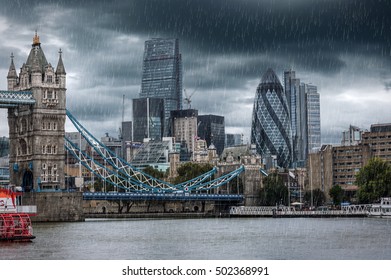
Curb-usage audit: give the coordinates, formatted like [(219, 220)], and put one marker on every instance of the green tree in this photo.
[(274, 190), (337, 194), (154, 172), (374, 181), (191, 170), (318, 197)]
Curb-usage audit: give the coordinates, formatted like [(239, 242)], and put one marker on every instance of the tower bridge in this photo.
[(36, 104)]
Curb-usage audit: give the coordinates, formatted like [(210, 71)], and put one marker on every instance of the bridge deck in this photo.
[(9, 99), (161, 196)]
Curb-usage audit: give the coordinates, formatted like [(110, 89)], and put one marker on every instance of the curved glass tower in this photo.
[(270, 128)]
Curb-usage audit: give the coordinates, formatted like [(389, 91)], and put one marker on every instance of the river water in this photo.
[(208, 239)]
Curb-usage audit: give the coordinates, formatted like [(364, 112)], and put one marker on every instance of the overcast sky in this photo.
[(343, 47)]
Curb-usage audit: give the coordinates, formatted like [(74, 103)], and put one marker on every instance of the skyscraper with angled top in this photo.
[(271, 127), (162, 76)]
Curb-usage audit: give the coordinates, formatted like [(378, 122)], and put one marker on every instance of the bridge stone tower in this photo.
[(36, 132)]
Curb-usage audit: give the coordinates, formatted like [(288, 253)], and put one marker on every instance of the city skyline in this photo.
[(340, 47)]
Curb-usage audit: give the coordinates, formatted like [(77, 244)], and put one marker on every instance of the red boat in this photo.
[(15, 223)]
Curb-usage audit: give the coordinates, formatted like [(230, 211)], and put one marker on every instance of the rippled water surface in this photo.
[(250, 238)]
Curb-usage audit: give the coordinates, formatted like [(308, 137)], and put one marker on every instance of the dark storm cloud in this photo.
[(226, 46)]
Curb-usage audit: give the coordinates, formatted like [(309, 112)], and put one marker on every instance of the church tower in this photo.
[(37, 154)]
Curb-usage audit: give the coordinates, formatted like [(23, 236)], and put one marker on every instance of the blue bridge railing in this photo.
[(161, 196)]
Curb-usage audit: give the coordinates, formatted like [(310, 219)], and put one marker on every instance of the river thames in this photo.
[(208, 239)]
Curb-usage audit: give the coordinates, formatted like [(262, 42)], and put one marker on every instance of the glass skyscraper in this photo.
[(305, 117), (162, 75), (148, 116), (271, 127), (312, 99), (211, 128)]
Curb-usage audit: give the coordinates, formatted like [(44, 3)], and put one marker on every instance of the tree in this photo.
[(274, 190), (191, 170), (336, 193), (156, 173), (318, 197), (374, 181)]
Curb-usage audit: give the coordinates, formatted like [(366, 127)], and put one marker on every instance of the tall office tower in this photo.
[(212, 129), (312, 105), (298, 117), (148, 119), (162, 75), (304, 111), (126, 136), (184, 129), (271, 128)]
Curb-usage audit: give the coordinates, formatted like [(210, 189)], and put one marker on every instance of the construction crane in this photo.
[(188, 98)]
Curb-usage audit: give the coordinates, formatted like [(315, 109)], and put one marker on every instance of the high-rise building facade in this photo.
[(184, 129), (148, 119), (212, 129), (312, 103), (296, 109), (271, 127), (304, 112), (162, 75)]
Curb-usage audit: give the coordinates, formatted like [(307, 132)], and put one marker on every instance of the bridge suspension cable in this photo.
[(123, 175), (104, 173)]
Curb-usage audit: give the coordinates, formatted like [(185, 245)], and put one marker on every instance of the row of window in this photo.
[(50, 94), (49, 126), (344, 177), (377, 137), (49, 149)]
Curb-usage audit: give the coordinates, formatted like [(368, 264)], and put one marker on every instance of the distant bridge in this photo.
[(285, 211)]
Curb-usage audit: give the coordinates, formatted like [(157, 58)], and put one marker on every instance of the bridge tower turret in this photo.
[(37, 153), (12, 77)]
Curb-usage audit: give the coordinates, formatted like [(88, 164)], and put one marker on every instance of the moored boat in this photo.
[(382, 209), (15, 222)]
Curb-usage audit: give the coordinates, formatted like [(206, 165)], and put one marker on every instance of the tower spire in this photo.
[(60, 65), (36, 41), (12, 71)]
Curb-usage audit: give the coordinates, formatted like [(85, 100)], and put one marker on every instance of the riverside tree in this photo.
[(337, 194), (274, 190), (374, 181)]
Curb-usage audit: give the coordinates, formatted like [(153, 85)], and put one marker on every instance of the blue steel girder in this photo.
[(129, 171), (10, 99), (161, 196), (197, 180), (104, 173), (224, 179), (116, 162)]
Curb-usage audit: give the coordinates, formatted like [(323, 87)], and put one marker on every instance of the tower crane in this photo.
[(188, 98)]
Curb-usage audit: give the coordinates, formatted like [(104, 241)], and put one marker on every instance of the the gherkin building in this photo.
[(270, 128)]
